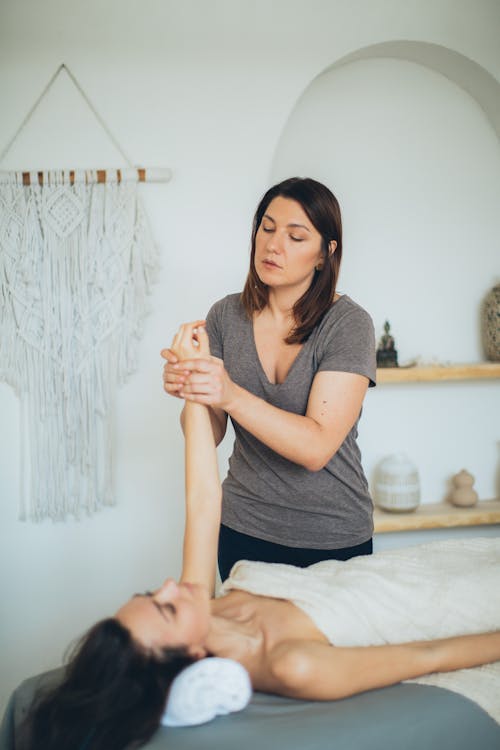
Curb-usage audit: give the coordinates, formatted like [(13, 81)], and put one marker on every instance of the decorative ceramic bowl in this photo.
[(397, 484)]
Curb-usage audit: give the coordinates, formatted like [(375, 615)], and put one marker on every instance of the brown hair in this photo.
[(323, 210), (112, 694)]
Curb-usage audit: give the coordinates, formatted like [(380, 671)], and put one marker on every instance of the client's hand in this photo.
[(191, 341), (192, 374), (173, 378)]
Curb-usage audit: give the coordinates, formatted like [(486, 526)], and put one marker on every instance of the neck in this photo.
[(280, 304), (232, 638), (281, 301)]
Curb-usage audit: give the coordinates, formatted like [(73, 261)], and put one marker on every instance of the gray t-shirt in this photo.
[(268, 496)]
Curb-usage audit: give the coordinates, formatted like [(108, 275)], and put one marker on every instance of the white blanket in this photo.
[(416, 593)]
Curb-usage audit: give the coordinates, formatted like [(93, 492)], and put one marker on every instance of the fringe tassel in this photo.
[(76, 265)]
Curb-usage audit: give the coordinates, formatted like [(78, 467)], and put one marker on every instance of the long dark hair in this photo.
[(112, 695), (323, 210)]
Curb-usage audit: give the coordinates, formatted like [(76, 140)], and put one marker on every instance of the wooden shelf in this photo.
[(477, 371), (437, 516)]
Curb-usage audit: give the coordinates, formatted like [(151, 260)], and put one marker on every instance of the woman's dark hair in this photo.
[(112, 695), (323, 210)]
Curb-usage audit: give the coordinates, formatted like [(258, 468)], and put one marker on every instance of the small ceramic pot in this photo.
[(397, 484), (462, 493)]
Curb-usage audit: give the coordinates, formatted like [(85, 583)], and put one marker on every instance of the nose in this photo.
[(169, 588), (274, 243)]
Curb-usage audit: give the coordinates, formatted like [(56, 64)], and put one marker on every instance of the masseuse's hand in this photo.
[(192, 374), (174, 379), (207, 382)]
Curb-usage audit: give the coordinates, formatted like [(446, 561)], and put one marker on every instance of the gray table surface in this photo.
[(402, 717)]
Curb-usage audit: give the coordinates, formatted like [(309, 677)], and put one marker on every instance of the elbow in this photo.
[(291, 672), (296, 675), (317, 449), (316, 461)]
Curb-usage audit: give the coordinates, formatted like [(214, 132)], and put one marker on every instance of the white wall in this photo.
[(209, 88), (416, 166)]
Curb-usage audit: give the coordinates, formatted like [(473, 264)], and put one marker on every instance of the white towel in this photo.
[(206, 689), (429, 591)]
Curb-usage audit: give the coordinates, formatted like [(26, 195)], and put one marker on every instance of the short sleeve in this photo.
[(214, 330), (347, 343)]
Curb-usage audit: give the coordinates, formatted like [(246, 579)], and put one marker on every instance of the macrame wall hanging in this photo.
[(76, 263)]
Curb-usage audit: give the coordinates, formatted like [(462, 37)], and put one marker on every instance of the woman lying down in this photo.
[(321, 633)]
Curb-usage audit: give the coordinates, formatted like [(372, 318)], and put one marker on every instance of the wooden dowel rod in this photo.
[(122, 175)]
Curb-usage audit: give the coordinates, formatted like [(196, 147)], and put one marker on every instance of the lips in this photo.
[(270, 264)]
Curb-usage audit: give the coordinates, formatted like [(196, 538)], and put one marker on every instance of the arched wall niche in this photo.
[(458, 68), (407, 136), (463, 71)]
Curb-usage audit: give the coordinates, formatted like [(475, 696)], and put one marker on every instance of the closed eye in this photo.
[(167, 606), (270, 230)]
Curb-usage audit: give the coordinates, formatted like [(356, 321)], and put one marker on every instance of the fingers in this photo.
[(193, 365), (199, 385), (186, 343), (175, 373), (186, 355), (204, 384), (173, 382), (173, 379), (192, 376), (202, 337), (169, 355), (187, 340)]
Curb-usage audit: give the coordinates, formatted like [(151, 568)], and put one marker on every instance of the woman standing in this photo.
[(290, 363)]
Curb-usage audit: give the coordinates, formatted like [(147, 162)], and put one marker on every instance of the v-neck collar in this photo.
[(298, 355), (259, 363)]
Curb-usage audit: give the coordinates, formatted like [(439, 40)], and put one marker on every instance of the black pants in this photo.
[(234, 546)]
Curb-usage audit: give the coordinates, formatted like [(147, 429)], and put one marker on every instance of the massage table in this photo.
[(400, 717)]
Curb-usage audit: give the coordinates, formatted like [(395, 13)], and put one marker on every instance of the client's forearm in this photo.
[(462, 652), (203, 500), (217, 419), (201, 470), (316, 671)]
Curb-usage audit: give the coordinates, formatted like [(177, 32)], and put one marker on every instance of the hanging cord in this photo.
[(98, 117)]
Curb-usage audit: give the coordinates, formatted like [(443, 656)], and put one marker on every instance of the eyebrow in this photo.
[(266, 216), (161, 610)]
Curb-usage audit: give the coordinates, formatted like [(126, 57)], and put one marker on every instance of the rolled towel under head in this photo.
[(206, 689)]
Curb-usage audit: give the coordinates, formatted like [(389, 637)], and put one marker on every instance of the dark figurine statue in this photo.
[(387, 355)]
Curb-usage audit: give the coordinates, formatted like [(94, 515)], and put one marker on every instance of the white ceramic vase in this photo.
[(397, 484)]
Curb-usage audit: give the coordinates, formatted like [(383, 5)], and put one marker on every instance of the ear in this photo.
[(332, 246)]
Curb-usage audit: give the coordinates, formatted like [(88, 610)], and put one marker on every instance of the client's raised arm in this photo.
[(203, 489)]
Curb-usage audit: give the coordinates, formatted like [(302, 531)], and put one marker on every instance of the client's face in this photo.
[(177, 614)]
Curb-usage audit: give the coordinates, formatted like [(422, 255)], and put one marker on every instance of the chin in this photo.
[(266, 278)]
